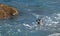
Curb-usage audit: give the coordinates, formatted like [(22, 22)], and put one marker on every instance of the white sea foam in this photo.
[(54, 34), (18, 30), (26, 25)]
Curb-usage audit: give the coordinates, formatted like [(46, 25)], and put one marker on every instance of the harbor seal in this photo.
[(7, 11), (39, 21)]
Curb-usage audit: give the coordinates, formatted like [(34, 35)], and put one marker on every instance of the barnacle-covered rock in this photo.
[(7, 11)]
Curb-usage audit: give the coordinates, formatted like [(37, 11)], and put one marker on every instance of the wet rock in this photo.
[(7, 11)]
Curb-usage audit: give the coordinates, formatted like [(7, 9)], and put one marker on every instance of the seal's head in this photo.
[(39, 21)]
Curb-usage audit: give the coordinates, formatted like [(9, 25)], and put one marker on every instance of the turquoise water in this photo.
[(29, 11)]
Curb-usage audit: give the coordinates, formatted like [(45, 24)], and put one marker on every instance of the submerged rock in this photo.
[(7, 11)]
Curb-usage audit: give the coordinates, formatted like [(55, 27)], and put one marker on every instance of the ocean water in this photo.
[(29, 11)]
